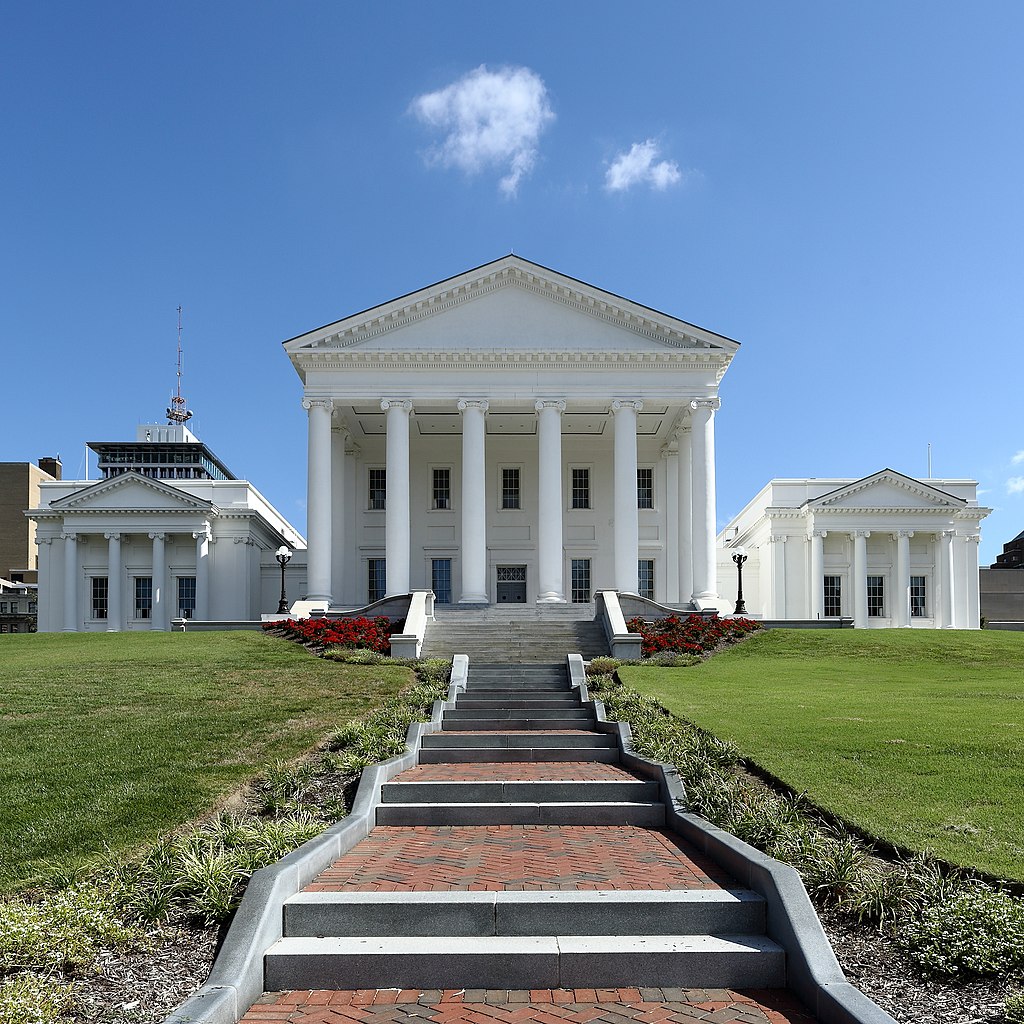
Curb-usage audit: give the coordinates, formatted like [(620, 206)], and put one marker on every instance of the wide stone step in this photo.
[(570, 700), (578, 714), (646, 815), (519, 791), (512, 685), (549, 912), (491, 724), (525, 962), (567, 740), (516, 755)]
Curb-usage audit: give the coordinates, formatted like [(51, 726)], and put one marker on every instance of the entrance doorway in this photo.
[(511, 584)]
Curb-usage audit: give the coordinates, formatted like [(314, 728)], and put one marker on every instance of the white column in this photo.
[(339, 438), (817, 573), (860, 578), (70, 582), (685, 516), (396, 507), (778, 544), (670, 511), (702, 446), (973, 583), (902, 608), (948, 573), (115, 612), (550, 581), (202, 539), (626, 533), (318, 500), (474, 502), (161, 603)]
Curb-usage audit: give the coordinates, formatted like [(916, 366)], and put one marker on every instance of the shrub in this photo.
[(603, 666), (691, 635), (977, 930), (33, 999), (362, 633)]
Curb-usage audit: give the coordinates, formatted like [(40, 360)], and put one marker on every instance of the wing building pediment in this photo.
[(130, 492), (886, 489)]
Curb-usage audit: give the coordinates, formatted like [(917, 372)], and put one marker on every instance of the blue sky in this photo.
[(836, 186)]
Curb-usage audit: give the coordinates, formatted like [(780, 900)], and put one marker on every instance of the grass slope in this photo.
[(108, 739), (916, 736)]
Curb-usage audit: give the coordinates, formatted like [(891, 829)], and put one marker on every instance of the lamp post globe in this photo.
[(739, 556), (283, 556)]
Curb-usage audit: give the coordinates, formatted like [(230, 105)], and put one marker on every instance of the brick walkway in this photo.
[(516, 857), (545, 1006), (517, 771)]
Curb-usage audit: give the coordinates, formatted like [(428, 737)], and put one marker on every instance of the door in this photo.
[(511, 584)]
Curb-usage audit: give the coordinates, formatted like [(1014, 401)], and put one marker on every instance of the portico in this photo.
[(511, 420)]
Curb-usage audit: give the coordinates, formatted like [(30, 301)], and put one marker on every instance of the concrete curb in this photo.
[(236, 980), (812, 970)]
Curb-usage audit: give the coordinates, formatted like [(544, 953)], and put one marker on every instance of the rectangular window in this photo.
[(833, 597), (32, 606), (645, 487), (917, 597), (143, 597), (186, 597), (442, 488), (645, 574), (510, 496), (876, 596), (377, 584), (441, 580), (378, 489), (99, 597), (581, 487), (580, 580)]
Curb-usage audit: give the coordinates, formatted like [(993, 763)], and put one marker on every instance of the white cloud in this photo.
[(1018, 458), (1015, 485), (490, 119), (640, 166)]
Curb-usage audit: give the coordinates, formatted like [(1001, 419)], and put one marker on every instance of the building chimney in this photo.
[(51, 466)]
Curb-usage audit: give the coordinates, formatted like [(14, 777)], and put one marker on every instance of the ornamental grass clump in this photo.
[(693, 635)]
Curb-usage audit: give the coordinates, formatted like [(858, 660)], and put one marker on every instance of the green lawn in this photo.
[(106, 740), (916, 736)]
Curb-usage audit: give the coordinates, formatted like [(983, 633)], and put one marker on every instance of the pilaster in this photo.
[(702, 433), (626, 531)]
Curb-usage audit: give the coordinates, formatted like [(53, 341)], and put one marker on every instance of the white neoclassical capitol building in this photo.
[(511, 434), (507, 435)]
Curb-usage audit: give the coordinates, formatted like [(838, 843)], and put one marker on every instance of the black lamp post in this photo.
[(739, 557), (283, 556)]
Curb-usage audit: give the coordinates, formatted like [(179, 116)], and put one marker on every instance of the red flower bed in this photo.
[(691, 635), (372, 634)]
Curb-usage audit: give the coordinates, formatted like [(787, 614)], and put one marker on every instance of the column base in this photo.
[(552, 598), (474, 599)]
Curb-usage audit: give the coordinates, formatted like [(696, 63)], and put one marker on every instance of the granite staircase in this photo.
[(514, 634), (519, 854)]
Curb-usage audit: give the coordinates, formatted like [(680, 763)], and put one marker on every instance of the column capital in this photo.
[(396, 403), (473, 403), (973, 538), (817, 533), (202, 534), (248, 541), (860, 533), (627, 403), (549, 403), (112, 534), (43, 540), (69, 535), (318, 403), (156, 535), (947, 533), (714, 404), (670, 450), (779, 538), (897, 534)]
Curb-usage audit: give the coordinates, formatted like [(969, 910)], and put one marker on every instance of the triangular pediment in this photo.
[(886, 489), (514, 305), (130, 492)]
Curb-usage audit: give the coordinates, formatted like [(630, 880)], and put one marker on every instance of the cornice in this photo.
[(907, 510)]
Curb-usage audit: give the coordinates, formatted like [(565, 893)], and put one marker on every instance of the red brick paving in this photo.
[(517, 771), (520, 857), (543, 1006)]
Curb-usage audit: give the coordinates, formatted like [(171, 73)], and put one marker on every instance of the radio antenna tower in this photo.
[(176, 411)]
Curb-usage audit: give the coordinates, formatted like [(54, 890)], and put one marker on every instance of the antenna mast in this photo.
[(176, 411)]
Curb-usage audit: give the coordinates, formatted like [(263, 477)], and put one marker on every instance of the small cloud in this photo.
[(1015, 485), (1018, 458), (490, 119), (640, 166)]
